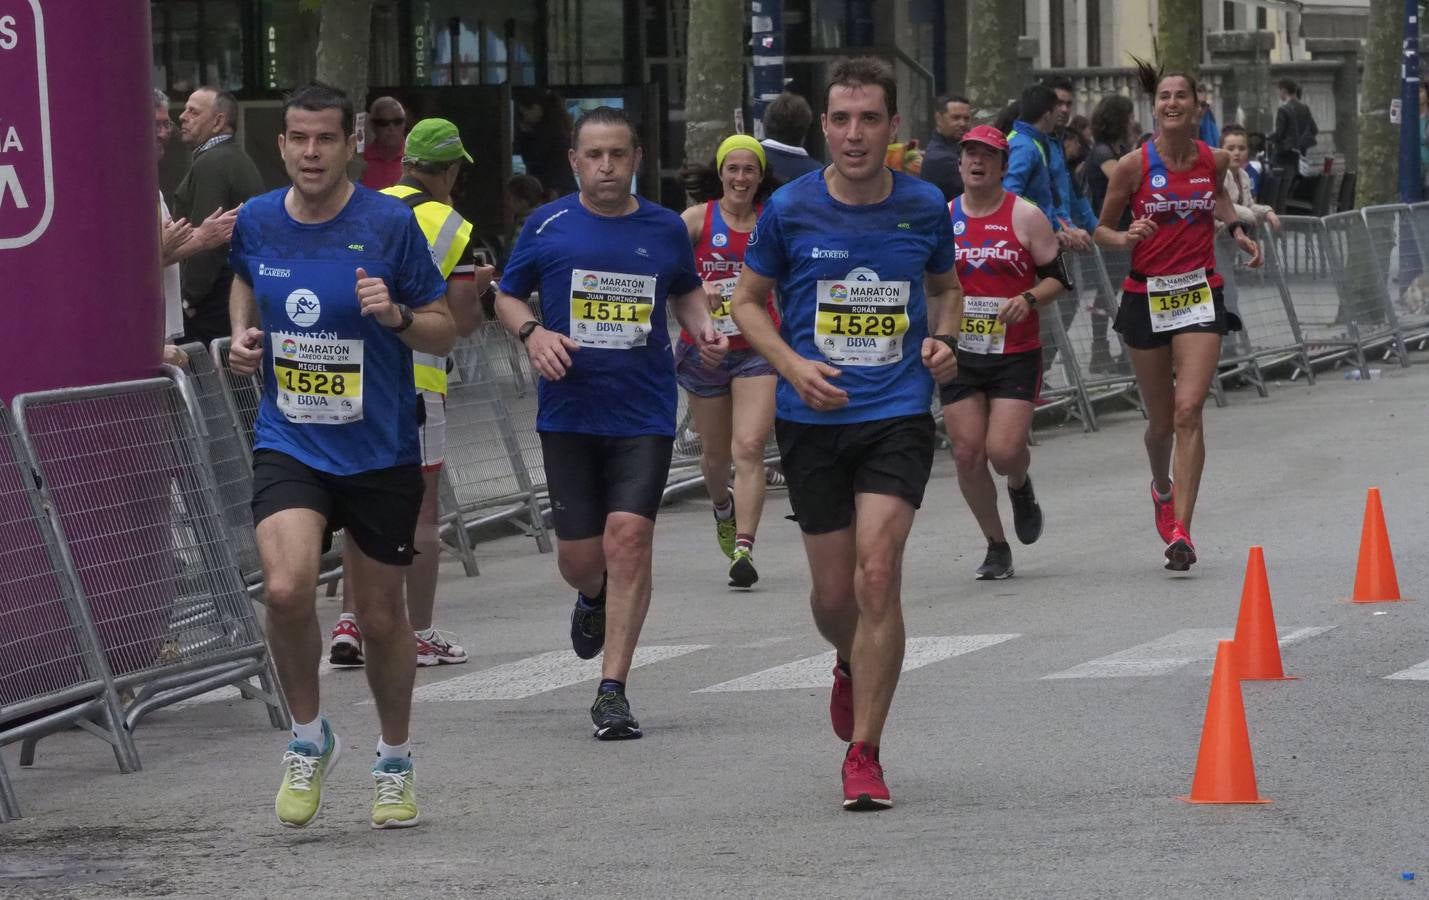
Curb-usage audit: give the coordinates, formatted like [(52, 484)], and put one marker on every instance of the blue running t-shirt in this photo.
[(850, 279), (337, 385), (604, 282)]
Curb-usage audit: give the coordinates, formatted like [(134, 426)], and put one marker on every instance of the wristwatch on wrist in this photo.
[(948, 339), (526, 330), (1030, 298), (405, 312)]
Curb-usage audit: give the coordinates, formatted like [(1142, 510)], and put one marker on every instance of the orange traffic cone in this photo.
[(1225, 772), (1375, 580), (1257, 650)]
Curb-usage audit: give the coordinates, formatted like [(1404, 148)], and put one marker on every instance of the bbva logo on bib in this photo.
[(303, 308)]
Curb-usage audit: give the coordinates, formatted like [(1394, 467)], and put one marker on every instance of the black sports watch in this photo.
[(406, 312), (526, 330), (950, 340), (1030, 298)]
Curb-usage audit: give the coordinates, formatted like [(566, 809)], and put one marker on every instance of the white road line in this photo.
[(1171, 652), (813, 671), (536, 675), (1413, 673), (231, 693)]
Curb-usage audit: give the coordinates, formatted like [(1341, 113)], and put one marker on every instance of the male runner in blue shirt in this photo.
[(850, 249), (606, 263), (341, 282)]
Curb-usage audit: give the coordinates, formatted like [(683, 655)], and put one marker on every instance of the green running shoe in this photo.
[(396, 803), (301, 794), (725, 530)]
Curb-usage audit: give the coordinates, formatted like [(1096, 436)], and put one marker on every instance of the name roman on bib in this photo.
[(861, 323)]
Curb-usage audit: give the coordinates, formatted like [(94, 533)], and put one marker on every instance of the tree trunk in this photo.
[(343, 38), (714, 75), (1379, 140), (1179, 36), (992, 34)]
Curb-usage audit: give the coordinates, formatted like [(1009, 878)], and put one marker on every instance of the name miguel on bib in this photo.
[(318, 381)]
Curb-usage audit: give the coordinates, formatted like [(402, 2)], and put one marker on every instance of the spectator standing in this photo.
[(1114, 132), (1029, 174), (1072, 217), (220, 179), (786, 122), (543, 141), (951, 120), (386, 141), (1210, 131), (1295, 128), (1238, 182)]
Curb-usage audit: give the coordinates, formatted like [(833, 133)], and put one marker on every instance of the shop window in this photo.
[(492, 42)]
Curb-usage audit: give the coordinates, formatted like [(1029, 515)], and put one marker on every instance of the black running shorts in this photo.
[(826, 465), (1133, 322), (590, 476), (1014, 376), (378, 509)]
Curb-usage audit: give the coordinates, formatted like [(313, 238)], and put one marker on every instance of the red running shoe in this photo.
[(841, 704), (1180, 552), (346, 650), (863, 779), (1165, 513)]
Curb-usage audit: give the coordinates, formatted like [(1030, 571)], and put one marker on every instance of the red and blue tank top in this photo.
[(992, 266), (719, 256), (1183, 206)]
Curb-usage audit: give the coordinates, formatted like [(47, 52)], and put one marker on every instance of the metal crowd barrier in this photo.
[(52, 674), (1398, 242), (1270, 337), (493, 465), (135, 507)]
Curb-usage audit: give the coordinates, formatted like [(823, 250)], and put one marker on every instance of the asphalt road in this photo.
[(1035, 750)]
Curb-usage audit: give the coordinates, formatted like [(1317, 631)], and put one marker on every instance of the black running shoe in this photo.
[(587, 628), (1026, 514), (612, 718), (997, 565), (741, 571)]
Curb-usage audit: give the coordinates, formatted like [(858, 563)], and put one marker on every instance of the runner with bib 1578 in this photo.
[(1172, 313)]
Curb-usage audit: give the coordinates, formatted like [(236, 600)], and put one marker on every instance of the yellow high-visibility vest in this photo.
[(448, 234)]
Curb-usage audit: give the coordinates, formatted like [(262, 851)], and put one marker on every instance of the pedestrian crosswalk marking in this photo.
[(813, 671), (1418, 672), (536, 675), (1171, 652)]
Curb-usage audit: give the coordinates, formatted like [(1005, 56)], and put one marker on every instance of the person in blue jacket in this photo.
[(1074, 212), (1034, 157)]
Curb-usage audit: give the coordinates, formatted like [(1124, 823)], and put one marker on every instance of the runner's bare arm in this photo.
[(464, 302), (809, 378), (694, 219), (945, 298), (550, 352), (246, 350), (692, 309), (432, 330), (1036, 235)]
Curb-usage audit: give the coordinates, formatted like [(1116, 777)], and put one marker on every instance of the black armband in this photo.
[(1232, 227), (1057, 269)]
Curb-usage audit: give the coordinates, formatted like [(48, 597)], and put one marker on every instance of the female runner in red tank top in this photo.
[(733, 403), (1172, 314), (1006, 253)]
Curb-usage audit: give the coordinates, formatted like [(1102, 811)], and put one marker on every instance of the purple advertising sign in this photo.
[(26, 173), (79, 201)]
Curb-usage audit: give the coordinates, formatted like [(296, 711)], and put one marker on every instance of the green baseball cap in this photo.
[(435, 140)]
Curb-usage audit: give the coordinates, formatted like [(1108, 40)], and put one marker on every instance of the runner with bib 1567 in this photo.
[(732, 403), (1009, 266), (1172, 313)]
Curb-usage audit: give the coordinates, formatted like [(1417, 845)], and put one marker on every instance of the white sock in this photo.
[(393, 751), (348, 617), (1164, 498), (312, 732), (726, 511), (425, 634)]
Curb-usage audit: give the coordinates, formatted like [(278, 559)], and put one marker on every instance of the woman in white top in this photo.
[(1235, 142)]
